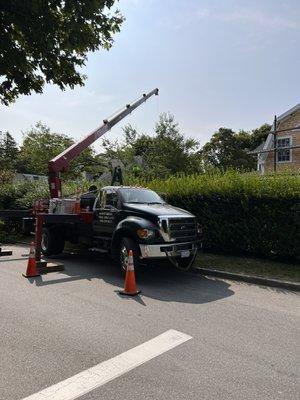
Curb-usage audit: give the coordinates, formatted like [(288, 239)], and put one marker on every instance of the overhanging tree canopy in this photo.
[(45, 40)]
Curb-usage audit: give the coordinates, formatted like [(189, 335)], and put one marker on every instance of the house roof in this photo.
[(31, 175), (257, 149), (269, 141), (288, 112)]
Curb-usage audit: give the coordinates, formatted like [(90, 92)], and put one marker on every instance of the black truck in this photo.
[(122, 218)]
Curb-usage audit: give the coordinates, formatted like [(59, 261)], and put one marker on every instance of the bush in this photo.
[(23, 195), (241, 213), (6, 176), (9, 231), (258, 226)]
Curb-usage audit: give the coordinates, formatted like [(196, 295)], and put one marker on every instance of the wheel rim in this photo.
[(124, 257), (44, 243)]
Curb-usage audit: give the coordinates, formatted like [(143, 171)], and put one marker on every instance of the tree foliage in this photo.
[(40, 145), (8, 152), (45, 41), (165, 153), (169, 151), (258, 136), (228, 149)]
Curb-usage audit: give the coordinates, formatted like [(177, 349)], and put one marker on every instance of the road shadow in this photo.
[(160, 281)]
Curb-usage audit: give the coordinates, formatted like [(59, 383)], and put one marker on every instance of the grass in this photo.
[(250, 266)]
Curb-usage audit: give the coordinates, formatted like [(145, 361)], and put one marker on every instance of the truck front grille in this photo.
[(182, 229)]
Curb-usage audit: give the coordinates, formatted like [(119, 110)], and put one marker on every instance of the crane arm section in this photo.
[(61, 162)]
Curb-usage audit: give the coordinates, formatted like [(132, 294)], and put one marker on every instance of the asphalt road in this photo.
[(245, 338)]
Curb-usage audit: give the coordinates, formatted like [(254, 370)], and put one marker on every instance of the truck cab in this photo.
[(138, 219)]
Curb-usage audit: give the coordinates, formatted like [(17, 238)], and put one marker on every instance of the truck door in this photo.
[(107, 213)]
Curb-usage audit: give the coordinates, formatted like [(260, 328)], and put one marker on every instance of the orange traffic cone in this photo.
[(130, 285), (31, 265)]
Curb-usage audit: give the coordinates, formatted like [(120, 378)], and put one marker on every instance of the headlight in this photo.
[(145, 233)]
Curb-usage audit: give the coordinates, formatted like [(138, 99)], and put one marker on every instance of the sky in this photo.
[(232, 63)]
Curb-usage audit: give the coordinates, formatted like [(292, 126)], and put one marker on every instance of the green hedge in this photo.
[(239, 213), (258, 226)]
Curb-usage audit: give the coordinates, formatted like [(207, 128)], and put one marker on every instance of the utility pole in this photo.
[(275, 142)]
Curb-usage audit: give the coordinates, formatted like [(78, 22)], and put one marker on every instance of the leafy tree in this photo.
[(44, 41), (227, 149), (8, 152), (40, 145), (223, 150), (171, 149), (165, 153), (259, 135)]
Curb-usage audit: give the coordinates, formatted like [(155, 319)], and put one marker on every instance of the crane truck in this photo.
[(116, 219)]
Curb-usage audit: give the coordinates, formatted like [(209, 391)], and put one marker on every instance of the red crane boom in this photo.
[(61, 162)]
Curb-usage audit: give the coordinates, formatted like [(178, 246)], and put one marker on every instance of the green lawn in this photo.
[(250, 266)]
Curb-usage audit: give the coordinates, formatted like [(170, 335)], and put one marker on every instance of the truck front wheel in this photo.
[(127, 244), (52, 242)]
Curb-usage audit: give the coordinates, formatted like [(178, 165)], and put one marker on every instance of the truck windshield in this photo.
[(142, 196)]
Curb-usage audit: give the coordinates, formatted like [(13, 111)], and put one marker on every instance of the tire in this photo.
[(52, 242), (127, 244)]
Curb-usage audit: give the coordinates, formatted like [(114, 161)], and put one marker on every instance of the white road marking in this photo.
[(94, 377)]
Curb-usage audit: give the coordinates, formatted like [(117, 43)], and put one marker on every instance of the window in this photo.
[(284, 155), (140, 195), (98, 201), (106, 199), (111, 199)]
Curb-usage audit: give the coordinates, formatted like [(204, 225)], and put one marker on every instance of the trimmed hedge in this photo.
[(258, 226), (239, 213)]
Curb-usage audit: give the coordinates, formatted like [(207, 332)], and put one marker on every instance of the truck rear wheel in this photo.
[(127, 244), (52, 242)]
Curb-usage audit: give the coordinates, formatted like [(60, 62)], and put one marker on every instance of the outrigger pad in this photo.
[(5, 252), (45, 268)]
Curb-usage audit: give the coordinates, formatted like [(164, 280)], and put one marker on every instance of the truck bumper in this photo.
[(161, 250)]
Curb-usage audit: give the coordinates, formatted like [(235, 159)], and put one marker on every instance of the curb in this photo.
[(249, 279)]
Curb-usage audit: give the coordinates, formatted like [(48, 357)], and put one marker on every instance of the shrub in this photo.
[(9, 231), (241, 213), (6, 176), (23, 195)]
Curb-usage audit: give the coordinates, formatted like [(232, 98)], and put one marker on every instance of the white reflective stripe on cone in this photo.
[(130, 267)]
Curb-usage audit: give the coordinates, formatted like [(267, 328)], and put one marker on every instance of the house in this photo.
[(287, 138)]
